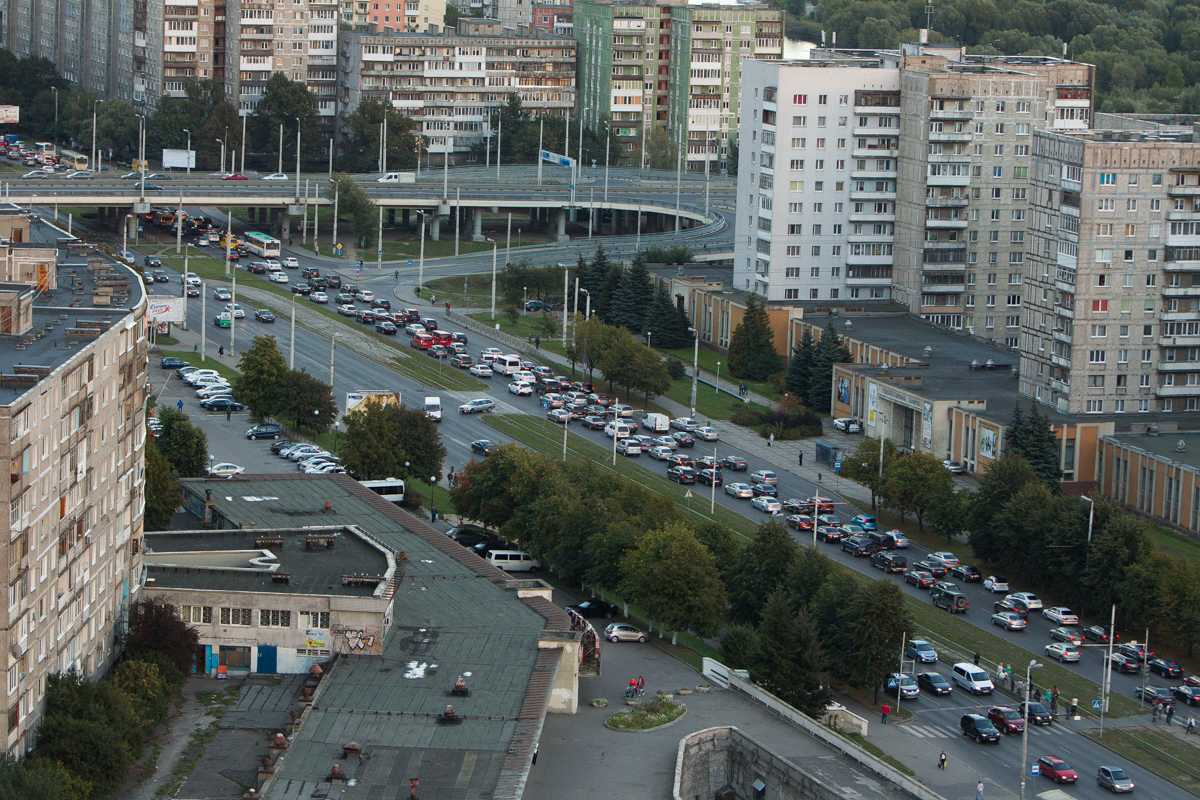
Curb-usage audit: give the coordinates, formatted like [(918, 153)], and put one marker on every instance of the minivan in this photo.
[(513, 561), (978, 727), (889, 562), (972, 678), (507, 365), (616, 430)]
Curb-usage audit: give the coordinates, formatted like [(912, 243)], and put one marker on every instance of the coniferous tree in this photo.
[(1042, 448), (602, 305), (666, 322), (801, 364), (752, 352), (1015, 435), (788, 660), (829, 351), (622, 311)]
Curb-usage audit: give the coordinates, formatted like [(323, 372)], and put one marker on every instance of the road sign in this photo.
[(555, 158), (410, 262), (572, 186), (1095, 705), (1035, 770), (379, 252)]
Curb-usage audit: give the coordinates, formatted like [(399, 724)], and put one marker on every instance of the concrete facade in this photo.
[(718, 760)]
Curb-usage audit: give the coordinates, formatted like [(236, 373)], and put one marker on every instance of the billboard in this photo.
[(10, 114), (379, 396), (166, 309), (183, 159)]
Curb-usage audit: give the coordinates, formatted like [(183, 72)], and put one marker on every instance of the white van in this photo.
[(397, 177), (972, 678), (507, 365), (659, 423), (433, 408), (617, 430), (513, 561)]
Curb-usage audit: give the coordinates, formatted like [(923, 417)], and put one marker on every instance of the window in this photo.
[(274, 618), (1095, 381), (1100, 331), (1156, 179), (1131, 204), (1104, 229), (1096, 356), (1095, 406), (816, 251), (997, 172), (1020, 172), (1108, 179), (196, 615), (791, 294), (314, 619), (814, 272), (1130, 230), (235, 616)]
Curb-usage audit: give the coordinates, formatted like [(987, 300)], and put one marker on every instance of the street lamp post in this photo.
[(332, 341), (648, 335), (297, 160), (695, 367), (292, 347), (587, 311), (493, 241), (280, 148), (188, 156), (55, 90), (1033, 664), (222, 143), (717, 382), (607, 145)]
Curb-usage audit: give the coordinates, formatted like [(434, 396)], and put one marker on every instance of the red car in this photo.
[(1057, 770), (1006, 719), (236, 176)]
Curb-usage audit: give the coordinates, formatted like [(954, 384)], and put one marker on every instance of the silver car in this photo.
[(739, 490), (623, 632), (1114, 779), (765, 476), (1062, 652)]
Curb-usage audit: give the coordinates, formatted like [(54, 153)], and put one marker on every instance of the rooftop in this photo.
[(1166, 445), (296, 561), (453, 615)]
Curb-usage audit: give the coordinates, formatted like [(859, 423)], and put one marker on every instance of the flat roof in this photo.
[(453, 614), (239, 560), (1165, 445)]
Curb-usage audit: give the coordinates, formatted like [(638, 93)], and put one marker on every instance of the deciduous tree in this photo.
[(307, 401), (360, 147), (357, 205), (676, 580), (789, 661), (287, 102), (261, 371), (913, 482), (156, 627), (761, 569), (862, 466), (162, 490), (392, 440), (183, 444)]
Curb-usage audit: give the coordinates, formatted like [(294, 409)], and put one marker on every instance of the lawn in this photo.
[(467, 291), (709, 404), (528, 325), (228, 373), (708, 364)]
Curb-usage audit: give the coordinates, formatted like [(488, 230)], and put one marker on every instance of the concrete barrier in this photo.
[(514, 343)]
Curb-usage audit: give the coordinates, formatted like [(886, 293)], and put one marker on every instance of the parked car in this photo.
[(592, 609), (848, 425), (954, 467), (224, 470), (622, 632), (171, 362), (221, 404)]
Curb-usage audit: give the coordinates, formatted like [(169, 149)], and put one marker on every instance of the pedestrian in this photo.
[(433, 299), (537, 341), (316, 249), (447, 306), (802, 458), (1154, 716), (1074, 707), (1170, 712), (977, 658), (1012, 681), (180, 404), (228, 414), (641, 684), (771, 440), (289, 240), (1047, 698), (979, 791), (1191, 725), (396, 274), (536, 747), (1020, 689), (433, 513), (221, 350), (886, 710), (1053, 706), (1001, 675), (942, 761)]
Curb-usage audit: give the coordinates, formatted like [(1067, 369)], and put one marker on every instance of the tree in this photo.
[(306, 401), (392, 440), (360, 146), (262, 370), (731, 162), (183, 444), (1002, 480), (156, 627), (632, 298), (676, 580), (116, 126), (286, 102), (662, 152), (205, 111), (667, 322), (862, 466), (829, 351), (451, 17), (162, 490), (147, 691), (947, 512), (800, 366), (788, 661), (739, 643), (355, 203), (761, 569), (912, 483), (39, 779), (90, 727), (647, 374), (875, 623), (721, 542), (1033, 437), (752, 351)]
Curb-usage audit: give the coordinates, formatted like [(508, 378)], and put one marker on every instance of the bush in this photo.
[(788, 421), (748, 416), (512, 314), (676, 369)]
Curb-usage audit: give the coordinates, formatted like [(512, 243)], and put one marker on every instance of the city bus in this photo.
[(45, 149), (390, 489), (261, 244), (73, 160)]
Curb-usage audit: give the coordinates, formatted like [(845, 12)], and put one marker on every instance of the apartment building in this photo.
[(674, 66), (73, 364), (1111, 323), (897, 175), (451, 82), (556, 19)]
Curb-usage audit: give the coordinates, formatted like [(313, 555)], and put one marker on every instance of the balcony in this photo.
[(1183, 216), (1182, 266), (943, 288), (944, 224), (948, 180), (1179, 316), (951, 136), (946, 202), (1183, 191), (869, 279), (955, 115), (1063, 311), (953, 268), (1062, 387), (872, 195), (1181, 291), (961, 245), (1179, 341), (1177, 391), (1179, 366), (1062, 336), (875, 152), (1060, 361), (867, 111), (873, 174), (869, 261), (869, 218)]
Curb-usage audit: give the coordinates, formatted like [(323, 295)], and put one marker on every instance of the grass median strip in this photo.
[(546, 437), (436, 374), (1156, 751)]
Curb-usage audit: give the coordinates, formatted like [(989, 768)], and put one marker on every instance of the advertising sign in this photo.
[(872, 403), (314, 639), (987, 443), (378, 396), (181, 159), (166, 309), (927, 426), (10, 114)]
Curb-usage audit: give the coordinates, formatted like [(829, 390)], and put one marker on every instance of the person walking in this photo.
[(180, 404), (433, 514), (886, 709), (979, 791), (1154, 716), (1012, 681), (771, 440), (1170, 712), (802, 458), (641, 684), (1191, 725), (221, 350), (537, 341), (942, 761)]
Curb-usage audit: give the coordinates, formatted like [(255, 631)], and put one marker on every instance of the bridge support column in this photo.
[(561, 234), (285, 226), (477, 225), (435, 230), (404, 217), (391, 217), (274, 220)]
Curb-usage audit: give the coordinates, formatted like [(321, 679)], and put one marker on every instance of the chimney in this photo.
[(208, 507)]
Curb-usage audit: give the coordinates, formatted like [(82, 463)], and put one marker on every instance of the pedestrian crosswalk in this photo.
[(950, 732)]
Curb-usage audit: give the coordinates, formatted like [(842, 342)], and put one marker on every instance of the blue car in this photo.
[(866, 522)]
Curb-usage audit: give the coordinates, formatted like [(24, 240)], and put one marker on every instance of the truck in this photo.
[(659, 423), (433, 408)]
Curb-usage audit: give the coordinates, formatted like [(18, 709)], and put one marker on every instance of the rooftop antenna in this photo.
[(928, 16)]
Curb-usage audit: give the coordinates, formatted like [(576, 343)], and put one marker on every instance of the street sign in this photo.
[(1035, 770), (1095, 705), (410, 262), (379, 252), (555, 158)]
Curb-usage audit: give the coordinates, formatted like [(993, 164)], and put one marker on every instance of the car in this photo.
[(302, 289), (481, 370), (921, 651), (275, 176), (1188, 695), (687, 475), (235, 176), (414, 329), (593, 422), (1134, 650), (764, 490), (222, 294), (859, 546), (667, 442), (214, 389), (1061, 615), (1056, 769), (291, 263), (735, 463), (623, 632), (479, 405), (263, 315), (684, 439), (483, 446), (1096, 633), (854, 530), (171, 362), (35, 174), (1118, 662), (1068, 635), (626, 447), (520, 388), (1152, 693), (967, 573), (1192, 680), (945, 558), (955, 467), (826, 533), (386, 328), (902, 685), (707, 433), (1030, 599), (592, 609), (1115, 779), (221, 404), (685, 424), (768, 505), (680, 460), (933, 682), (364, 295), (258, 268), (152, 187), (919, 578), (298, 451), (281, 445), (224, 470), (1013, 604), (160, 276), (1036, 715), (739, 490), (560, 416), (995, 584), (659, 453), (710, 477), (203, 241), (192, 291), (765, 476), (621, 411), (1006, 719), (236, 310), (1062, 652), (266, 430), (889, 540), (848, 425), (538, 305), (866, 522), (978, 728), (347, 310), (1165, 667), (938, 571), (278, 277), (1009, 620)]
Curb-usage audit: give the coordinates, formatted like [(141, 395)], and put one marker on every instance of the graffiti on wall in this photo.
[(365, 641)]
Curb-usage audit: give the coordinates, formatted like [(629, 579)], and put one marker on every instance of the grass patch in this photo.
[(477, 291), (1175, 543), (546, 437), (708, 364), (865, 697), (1162, 753), (437, 374), (709, 404), (861, 741), (528, 325), (653, 714)]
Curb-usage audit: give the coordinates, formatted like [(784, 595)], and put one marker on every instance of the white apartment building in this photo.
[(897, 175)]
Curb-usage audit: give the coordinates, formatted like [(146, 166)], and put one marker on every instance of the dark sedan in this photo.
[(938, 571), (1011, 604), (1120, 663), (859, 546), (919, 578), (1036, 714), (221, 404), (1165, 667), (1096, 633), (386, 327), (282, 444), (594, 423), (933, 682), (263, 315), (301, 289), (710, 476), (1188, 695), (682, 475), (764, 490), (684, 439), (826, 533), (1151, 692), (483, 446), (735, 463), (591, 609), (967, 573)]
